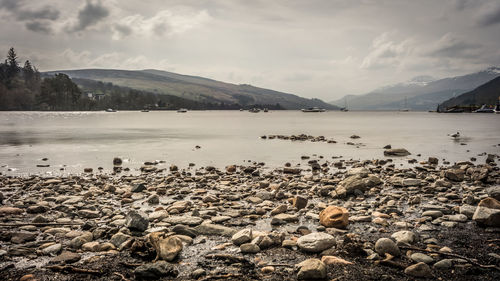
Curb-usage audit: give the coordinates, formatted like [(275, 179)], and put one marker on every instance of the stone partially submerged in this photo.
[(396, 152)]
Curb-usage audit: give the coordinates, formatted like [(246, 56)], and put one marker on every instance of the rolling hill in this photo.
[(421, 93), (198, 89), (488, 93)]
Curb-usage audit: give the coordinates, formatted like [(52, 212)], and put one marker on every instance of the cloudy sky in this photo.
[(313, 48)]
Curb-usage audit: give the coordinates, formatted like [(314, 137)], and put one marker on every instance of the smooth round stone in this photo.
[(249, 248), (443, 264), (419, 257), (386, 245)]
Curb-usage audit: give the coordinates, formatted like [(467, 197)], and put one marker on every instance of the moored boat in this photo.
[(313, 109), (110, 110), (182, 110)]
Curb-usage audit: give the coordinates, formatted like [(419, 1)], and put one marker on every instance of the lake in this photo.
[(76, 140)]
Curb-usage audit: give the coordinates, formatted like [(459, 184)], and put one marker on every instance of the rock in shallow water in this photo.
[(396, 152)]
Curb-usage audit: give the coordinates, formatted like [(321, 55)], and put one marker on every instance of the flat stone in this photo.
[(443, 264), (287, 217), (316, 242), (396, 152), (10, 211), (186, 220), (155, 271), (329, 260), (214, 229), (419, 257), (22, 237), (433, 214), (67, 257)]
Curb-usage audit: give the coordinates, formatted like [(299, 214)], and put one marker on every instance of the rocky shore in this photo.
[(323, 220)]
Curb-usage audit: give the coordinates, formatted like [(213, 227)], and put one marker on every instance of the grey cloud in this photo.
[(490, 16), (464, 4), (9, 5), (160, 28), (452, 47), (46, 12), (15, 7), (37, 20), (90, 15), (39, 26), (122, 29)]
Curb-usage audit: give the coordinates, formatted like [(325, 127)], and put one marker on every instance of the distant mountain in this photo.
[(488, 93), (198, 89), (421, 93)]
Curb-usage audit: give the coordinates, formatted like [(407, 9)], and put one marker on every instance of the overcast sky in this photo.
[(313, 48)]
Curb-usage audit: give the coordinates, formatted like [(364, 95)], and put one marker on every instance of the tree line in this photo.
[(25, 88), (22, 88)]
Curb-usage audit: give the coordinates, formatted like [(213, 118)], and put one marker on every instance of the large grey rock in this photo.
[(356, 182), (316, 242), (311, 269), (487, 217), (137, 221), (454, 174), (155, 271), (386, 245)]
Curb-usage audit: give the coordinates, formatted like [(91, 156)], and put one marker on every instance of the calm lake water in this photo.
[(76, 140)]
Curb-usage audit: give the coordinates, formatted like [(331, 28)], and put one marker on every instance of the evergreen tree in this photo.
[(12, 64)]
